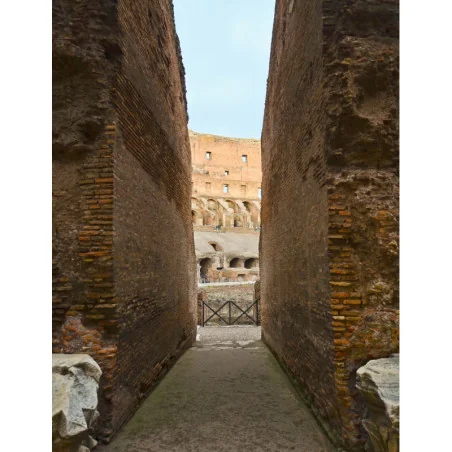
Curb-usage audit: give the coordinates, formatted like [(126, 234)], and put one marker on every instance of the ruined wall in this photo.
[(329, 240), (239, 207), (241, 293), (244, 178), (121, 196)]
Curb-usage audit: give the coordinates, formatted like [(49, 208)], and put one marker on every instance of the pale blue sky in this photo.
[(225, 49)]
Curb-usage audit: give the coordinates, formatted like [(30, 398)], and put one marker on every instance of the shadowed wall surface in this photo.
[(329, 240), (121, 193)]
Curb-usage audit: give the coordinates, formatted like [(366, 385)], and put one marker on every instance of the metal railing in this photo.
[(229, 319)]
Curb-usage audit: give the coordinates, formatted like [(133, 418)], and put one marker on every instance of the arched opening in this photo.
[(205, 265), (240, 278), (208, 219), (215, 246), (197, 218), (235, 263), (248, 206), (232, 205), (195, 203), (212, 204), (251, 262)]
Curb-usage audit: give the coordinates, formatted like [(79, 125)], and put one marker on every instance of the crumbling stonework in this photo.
[(75, 382), (329, 240), (378, 384), (227, 257), (123, 251)]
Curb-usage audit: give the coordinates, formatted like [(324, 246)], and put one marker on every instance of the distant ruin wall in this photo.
[(124, 263), (329, 240)]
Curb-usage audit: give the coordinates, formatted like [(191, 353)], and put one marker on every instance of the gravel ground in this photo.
[(227, 393), (238, 335)]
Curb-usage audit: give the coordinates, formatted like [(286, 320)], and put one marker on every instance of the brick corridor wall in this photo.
[(296, 319), (155, 267), (124, 263), (330, 150), (361, 76)]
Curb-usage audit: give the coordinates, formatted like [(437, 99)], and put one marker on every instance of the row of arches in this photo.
[(206, 266), (224, 213)]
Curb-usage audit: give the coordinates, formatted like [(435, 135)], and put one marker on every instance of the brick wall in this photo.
[(329, 240), (124, 263), (244, 178)]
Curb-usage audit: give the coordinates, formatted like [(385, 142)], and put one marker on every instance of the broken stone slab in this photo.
[(378, 384), (75, 382)]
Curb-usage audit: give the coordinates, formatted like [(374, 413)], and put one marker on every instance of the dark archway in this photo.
[(238, 223), (205, 265), (235, 263), (251, 262), (232, 205), (248, 206), (215, 246)]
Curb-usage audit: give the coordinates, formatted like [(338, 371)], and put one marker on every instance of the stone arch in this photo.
[(194, 203), (197, 218), (236, 262), (212, 204), (204, 266), (253, 212), (216, 246), (248, 206), (232, 205), (252, 262), (209, 217), (238, 221)]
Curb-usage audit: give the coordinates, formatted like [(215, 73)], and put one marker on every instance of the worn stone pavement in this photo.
[(227, 393)]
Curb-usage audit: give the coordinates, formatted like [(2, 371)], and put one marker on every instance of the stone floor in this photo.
[(227, 393)]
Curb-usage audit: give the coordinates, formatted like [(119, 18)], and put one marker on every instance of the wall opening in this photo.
[(235, 263), (205, 265), (232, 205), (251, 263), (238, 223), (248, 206), (215, 246)]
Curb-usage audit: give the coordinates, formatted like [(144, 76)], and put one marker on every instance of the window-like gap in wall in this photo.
[(215, 246)]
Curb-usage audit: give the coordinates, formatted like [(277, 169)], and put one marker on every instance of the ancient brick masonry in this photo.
[(329, 240), (124, 263)]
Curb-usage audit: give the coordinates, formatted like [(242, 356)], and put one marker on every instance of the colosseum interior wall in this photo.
[(226, 193)]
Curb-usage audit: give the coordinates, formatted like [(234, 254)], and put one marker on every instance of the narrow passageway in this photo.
[(227, 393)]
